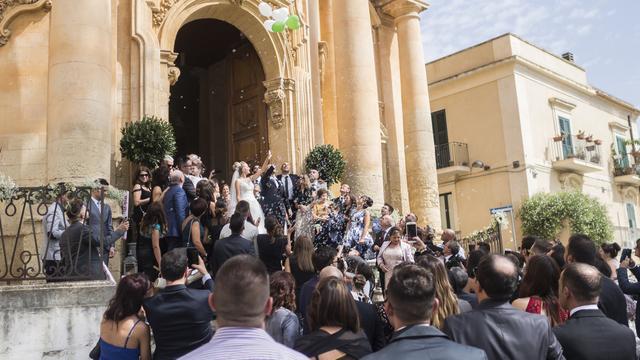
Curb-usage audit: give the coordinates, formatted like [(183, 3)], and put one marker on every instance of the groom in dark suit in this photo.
[(290, 183), (273, 199)]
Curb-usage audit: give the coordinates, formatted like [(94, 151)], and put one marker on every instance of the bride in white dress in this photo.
[(242, 189)]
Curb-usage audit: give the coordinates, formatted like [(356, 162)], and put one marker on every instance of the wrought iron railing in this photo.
[(452, 154), (575, 147), (492, 236), (26, 245)]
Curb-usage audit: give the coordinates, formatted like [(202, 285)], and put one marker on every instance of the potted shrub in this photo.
[(328, 161), (148, 141)]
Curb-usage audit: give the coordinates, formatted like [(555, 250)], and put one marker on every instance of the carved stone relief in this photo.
[(10, 9), (570, 181), (275, 97), (160, 12)]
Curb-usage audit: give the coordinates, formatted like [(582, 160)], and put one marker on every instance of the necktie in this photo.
[(286, 186)]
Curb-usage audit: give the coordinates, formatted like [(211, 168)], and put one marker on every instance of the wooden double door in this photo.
[(247, 112)]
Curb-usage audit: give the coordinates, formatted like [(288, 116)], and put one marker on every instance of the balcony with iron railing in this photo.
[(626, 171), (452, 159), (576, 154), (626, 236)]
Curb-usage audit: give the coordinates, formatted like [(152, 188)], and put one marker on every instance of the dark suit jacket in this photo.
[(417, 342), (630, 288), (189, 189), (176, 208), (80, 253), (590, 335), (180, 318), (612, 302), (295, 182), (104, 220), (226, 248), (272, 191), (371, 324), (504, 332)]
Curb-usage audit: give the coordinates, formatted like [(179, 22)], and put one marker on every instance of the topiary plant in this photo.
[(328, 161), (544, 214), (148, 141)]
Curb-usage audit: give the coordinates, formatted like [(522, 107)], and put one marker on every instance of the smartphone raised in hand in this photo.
[(626, 253), (411, 230), (192, 256)]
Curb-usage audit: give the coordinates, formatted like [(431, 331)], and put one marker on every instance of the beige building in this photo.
[(497, 107), (74, 72)]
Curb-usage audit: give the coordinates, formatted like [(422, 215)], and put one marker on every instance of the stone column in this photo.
[(80, 95), (314, 40), (327, 69), (357, 98), (422, 174)]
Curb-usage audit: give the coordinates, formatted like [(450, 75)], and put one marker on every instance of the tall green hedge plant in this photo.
[(545, 215)]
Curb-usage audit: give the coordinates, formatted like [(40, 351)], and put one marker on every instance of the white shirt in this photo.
[(288, 184), (97, 202), (583, 307)]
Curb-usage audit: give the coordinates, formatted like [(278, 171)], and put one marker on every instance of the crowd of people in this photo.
[(277, 269)]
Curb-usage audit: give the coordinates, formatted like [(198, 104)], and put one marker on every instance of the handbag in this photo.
[(95, 352)]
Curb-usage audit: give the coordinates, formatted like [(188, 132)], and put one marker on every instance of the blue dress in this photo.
[(112, 352), (354, 232)]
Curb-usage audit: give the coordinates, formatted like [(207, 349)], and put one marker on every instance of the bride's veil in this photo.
[(231, 206)]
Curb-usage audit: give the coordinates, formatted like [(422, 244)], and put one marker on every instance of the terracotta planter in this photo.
[(580, 136), (558, 138), (589, 138), (597, 142)]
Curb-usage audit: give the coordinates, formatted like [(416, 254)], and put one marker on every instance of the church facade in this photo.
[(74, 72)]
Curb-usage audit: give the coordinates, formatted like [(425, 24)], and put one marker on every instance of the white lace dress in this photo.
[(246, 194)]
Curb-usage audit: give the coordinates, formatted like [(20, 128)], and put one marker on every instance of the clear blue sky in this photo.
[(603, 35)]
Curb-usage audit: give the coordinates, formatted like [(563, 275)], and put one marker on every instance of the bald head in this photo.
[(386, 222), (448, 235), (583, 281), (330, 271), (176, 177), (498, 277)]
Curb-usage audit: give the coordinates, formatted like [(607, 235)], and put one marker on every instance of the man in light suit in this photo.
[(180, 317), (100, 221), (176, 208)]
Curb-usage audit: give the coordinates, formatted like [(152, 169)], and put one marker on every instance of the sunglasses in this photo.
[(141, 175)]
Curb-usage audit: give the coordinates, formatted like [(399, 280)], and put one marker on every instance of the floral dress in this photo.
[(354, 232)]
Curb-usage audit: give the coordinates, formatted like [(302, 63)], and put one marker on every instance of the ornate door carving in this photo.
[(247, 110)]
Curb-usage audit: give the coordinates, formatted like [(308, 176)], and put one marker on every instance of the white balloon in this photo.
[(265, 9), (281, 14), (268, 24)]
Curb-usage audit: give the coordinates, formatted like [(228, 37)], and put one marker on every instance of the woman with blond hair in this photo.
[(447, 300)]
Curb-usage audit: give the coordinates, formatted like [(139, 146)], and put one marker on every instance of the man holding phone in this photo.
[(626, 262)]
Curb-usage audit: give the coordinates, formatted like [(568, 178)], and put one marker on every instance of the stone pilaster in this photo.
[(327, 73), (422, 174), (80, 93), (357, 98)]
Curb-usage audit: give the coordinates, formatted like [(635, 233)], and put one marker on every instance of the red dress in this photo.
[(535, 304)]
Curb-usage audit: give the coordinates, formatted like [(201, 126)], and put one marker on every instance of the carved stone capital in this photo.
[(160, 12), (275, 97), (173, 75), (10, 9), (398, 9)]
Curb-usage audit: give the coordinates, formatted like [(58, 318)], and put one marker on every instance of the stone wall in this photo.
[(51, 321)]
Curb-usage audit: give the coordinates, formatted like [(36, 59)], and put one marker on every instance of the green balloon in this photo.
[(293, 22), (278, 26)]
